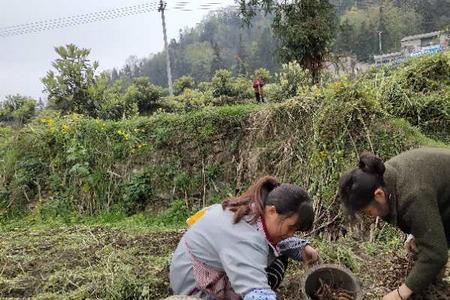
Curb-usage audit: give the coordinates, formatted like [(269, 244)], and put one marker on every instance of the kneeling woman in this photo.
[(239, 250), (412, 192)]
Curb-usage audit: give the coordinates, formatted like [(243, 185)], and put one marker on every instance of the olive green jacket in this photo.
[(418, 189)]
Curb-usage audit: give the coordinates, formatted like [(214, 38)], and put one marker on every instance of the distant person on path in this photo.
[(258, 87), (410, 191), (240, 249)]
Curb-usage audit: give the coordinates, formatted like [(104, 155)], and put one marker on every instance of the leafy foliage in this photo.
[(182, 83), (76, 163), (305, 30), (72, 86), (222, 84), (293, 79), (17, 109)]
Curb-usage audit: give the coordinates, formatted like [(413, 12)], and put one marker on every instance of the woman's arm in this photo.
[(428, 230), (244, 263), (298, 249)]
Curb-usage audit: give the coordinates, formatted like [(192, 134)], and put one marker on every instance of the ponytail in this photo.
[(252, 201), (288, 200)]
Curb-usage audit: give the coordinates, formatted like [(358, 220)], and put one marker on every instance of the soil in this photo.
[(29, 258)]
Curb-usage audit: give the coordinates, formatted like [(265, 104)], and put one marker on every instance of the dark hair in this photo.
[(357, 187), (288, 200)]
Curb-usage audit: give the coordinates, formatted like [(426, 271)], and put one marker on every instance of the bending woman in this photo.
[(240, 249), (410, 191)]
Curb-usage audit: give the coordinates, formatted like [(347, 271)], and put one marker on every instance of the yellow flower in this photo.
[(76, 117), (123, 134), (66, 128), (50, 122)]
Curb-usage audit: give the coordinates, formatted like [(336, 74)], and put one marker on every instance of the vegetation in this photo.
[(304, 30), (73, 163), (73, 86), (17, 109), (113, 166), (226, 43)]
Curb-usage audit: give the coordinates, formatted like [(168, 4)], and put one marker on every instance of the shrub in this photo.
[(262, 73), (293, 79), (222, 84), (183, 83)]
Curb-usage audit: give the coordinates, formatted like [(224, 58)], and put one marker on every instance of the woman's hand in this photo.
[(402, 293), (310, 256), (410, 244), (393, 296)]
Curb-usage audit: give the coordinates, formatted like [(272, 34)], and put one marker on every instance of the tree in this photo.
[(358, 29), (265, 52), (114, 75), (72, 87), (40, 105), (304, 29), (200, 56), (213, 44), (345, 39), (17, 109), (435, 14), (217, 62)]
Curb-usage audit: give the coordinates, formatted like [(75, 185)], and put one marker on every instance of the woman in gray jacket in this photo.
[(239, 250)]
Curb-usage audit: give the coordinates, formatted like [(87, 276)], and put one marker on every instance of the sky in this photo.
[(25, 59)]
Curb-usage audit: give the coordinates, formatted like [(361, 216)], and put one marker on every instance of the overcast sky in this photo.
[(25, 59)]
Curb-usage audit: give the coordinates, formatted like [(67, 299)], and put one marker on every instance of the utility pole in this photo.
[(380, 29), (162, 7), (379, 41)]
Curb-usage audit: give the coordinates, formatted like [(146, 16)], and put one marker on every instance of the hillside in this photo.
[(119, 191)]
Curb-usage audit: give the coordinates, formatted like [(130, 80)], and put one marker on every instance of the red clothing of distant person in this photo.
[(258, 87)]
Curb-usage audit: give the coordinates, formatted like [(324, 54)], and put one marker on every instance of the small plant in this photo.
[(138, 191)]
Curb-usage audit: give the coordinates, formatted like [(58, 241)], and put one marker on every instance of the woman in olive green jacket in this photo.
[(412, 192)]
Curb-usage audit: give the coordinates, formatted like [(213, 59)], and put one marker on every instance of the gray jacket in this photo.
[(241, 250)]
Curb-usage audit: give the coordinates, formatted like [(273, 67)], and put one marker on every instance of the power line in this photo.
[(51, 24)]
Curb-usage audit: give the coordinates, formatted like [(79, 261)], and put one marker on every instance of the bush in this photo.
[(273, 93), (293, 79), (419, 91), (118, 106), (222, 84), (183, 83), (242, 88), (262, 73), (146, 95), (205, 86), (193, 99), (138, 191), (17, 109)]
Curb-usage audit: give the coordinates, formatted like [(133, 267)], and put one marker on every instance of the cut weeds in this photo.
[(101, 262)]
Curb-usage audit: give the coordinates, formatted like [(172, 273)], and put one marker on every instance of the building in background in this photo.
[(389, 58), (416, 45)]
